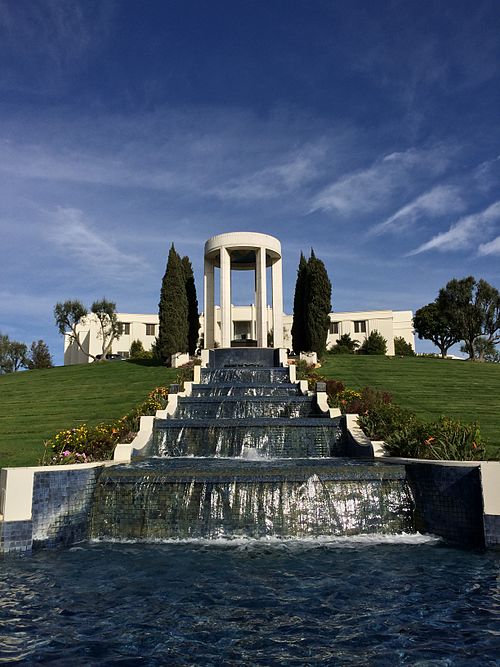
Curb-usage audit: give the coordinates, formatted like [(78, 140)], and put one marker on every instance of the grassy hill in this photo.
[(36, 404), (430, 387)]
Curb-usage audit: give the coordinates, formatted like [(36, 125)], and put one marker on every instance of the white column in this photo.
[(261, 297), (209, 297), (253, 334), (225, 297), (277, 283)]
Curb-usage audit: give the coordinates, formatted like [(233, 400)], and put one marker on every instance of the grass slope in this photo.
[(429, 387), (34, 405)]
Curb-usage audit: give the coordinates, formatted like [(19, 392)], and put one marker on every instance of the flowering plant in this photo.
[(84, 443)]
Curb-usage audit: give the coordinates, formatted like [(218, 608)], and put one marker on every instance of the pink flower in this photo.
[(66, 452)]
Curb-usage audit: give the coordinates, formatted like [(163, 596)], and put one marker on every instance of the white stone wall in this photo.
[(389, 323)]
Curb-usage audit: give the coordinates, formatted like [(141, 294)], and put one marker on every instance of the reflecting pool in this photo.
[(405, 600)]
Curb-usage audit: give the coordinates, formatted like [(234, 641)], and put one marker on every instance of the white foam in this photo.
[(290, 543)]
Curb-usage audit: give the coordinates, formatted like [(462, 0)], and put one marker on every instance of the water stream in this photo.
[(245, 455)]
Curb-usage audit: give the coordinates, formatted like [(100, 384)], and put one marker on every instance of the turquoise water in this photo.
[(403, 600)]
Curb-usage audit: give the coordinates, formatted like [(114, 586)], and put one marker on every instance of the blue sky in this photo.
[(368, 130)]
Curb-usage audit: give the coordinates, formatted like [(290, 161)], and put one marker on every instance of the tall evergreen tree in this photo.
[(318, 305), (172, 310), (192, 300), (39, 355), (299, 308)]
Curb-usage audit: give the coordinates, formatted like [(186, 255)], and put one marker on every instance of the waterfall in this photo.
[(247, 455), (191, 501)]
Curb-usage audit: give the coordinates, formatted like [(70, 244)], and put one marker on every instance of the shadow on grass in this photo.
[(145, 362)]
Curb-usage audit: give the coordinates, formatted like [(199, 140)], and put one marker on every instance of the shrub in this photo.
[(84, 443), (384, 419), (402, 348), (350, 401), (345, 345), (374, 344), (308, 372), (450, 439), (185, 373), (137, 351), (406, 436)]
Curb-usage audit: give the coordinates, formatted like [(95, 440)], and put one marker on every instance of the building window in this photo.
[(150, 329), (124, 328), (360, 327), (334, 327), (124, 355)]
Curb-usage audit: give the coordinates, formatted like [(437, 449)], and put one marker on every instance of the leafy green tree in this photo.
[(192, 300), (318, 305), (39, 355), (375, 343), (13, 355), (402, 348), (173, 310), (434, 322), (488, 300), (345, 345), (484, 350), (109, 327), (474, 307), (68, 315), (457, 300), (4, 345), (299, 308)]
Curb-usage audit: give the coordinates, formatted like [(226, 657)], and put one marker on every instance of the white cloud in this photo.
[(464, 233), (370, 189), (75, 238), (438, 201), (490, 248), (271, 181)]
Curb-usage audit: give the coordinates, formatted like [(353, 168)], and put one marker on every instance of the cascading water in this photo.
[(209, 498), (247, 455)]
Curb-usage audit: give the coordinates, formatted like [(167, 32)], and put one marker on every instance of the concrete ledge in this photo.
[(310, 358), (358, 444), (292, 373), (197, 372), (16, 487), (322, 401), (124, 451), (205, 356), (282, 356), (179, 359)]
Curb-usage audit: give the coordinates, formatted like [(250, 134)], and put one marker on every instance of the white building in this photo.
[(144, 327)]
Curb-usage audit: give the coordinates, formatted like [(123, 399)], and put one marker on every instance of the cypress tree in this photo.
[(318, 305), (299, 308), (192, 300), (172, 310)]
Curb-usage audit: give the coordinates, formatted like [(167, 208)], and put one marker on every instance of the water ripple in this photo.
[(252, 603)]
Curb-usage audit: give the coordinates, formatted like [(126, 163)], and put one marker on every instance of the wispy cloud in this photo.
[(73, 235), (373, 188), (50, 39), (487, 174), (490, 248), (274, 180), (464, 233), (441, 200)]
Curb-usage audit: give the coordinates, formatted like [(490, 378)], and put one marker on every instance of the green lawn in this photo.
[(36, 404), (429, 387)]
